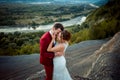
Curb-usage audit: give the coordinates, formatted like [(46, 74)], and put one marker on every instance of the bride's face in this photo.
[(59, 36)]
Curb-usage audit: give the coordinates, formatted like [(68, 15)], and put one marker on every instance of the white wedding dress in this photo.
[(60, 72)]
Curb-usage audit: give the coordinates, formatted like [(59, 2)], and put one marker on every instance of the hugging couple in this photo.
[(53, 45)]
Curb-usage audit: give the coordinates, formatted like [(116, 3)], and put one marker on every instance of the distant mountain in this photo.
[(25, 0), (100, 2), (56, 1)]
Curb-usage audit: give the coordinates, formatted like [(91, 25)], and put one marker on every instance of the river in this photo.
[(74, 21)]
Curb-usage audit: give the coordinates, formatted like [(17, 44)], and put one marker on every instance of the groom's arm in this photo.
[(43, 49)]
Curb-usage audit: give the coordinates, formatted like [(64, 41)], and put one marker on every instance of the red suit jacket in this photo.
[(46, 58)]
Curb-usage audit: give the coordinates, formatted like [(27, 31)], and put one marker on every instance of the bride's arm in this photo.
[(58, 48)]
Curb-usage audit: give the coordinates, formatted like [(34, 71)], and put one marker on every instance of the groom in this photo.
[(46, 58)]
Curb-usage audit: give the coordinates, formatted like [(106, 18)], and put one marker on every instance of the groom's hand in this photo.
[(59, 53)]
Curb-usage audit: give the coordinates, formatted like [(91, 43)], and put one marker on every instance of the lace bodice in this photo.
[(65, 44)]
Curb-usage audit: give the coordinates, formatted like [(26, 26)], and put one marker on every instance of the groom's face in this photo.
[(57, 31)]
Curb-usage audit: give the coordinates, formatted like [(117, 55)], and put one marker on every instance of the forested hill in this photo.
[(105, 21), (101, 23)]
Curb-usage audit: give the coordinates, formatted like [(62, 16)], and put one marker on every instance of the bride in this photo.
[(60, 72)]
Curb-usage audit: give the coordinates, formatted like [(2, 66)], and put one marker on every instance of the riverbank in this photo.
[(75, 21)]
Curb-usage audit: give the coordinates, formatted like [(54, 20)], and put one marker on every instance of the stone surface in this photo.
[(107, 65)]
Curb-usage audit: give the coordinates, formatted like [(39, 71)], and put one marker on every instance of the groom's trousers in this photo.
[(49, 72)]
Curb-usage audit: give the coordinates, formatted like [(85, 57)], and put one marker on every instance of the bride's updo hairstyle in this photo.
[(65, 35)]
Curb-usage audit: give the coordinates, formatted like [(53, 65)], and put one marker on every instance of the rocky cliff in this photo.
[(107, 65)]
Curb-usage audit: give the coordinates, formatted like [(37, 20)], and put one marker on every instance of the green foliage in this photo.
[(102, 23), (19, 43), (29, 49), (82, 35), (105, 29)]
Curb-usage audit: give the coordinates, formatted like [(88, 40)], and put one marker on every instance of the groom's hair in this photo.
[(58, 25)]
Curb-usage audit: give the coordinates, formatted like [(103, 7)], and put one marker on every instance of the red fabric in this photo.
[(49, 72), (46, 58)]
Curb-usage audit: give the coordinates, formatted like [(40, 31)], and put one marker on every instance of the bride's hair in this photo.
[(65, 35)]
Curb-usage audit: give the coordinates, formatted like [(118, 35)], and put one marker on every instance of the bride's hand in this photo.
[(53, 36)]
